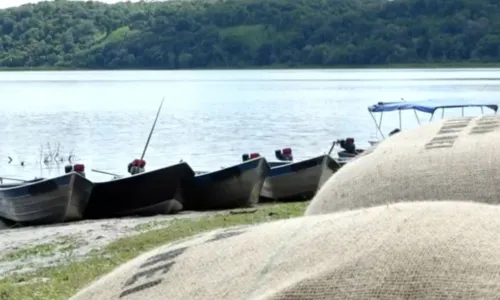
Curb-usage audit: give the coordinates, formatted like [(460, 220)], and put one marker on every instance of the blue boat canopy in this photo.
[(429, 106)]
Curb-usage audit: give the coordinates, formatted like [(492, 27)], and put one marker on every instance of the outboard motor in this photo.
[(254, 155), (348, 145), (137, 166), (287, 154), (68, 169), (80, 169), (284, 155)]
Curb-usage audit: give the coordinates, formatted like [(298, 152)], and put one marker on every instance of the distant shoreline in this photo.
[(463, 65)]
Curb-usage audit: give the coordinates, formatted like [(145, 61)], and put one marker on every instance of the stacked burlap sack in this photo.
[(454, 159), (408, 242)]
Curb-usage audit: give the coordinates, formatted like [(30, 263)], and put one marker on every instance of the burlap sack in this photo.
[(420, 250), (451, 159)]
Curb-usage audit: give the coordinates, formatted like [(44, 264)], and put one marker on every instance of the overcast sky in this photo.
[(11, 3)]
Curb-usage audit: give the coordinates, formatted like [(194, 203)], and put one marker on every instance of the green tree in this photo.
[(246, 33)]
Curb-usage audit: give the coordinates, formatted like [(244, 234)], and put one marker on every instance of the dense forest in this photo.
[(248, 33)]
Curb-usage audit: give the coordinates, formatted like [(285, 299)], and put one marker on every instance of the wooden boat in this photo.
[(147, 193), (46, 201), (233, 187), (298, 180)]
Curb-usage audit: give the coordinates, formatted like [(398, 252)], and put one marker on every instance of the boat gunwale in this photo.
[(226, 169), (318, 159), (30, 183), (123, 179)]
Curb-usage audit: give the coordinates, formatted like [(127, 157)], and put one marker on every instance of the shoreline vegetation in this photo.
[(459, 65), (57, 261), (250, 34)]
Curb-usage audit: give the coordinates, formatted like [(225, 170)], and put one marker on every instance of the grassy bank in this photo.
[(63, 280), (450, 65)]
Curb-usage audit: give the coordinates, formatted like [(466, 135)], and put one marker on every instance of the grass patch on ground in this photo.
[(63, 244), (61, 282)]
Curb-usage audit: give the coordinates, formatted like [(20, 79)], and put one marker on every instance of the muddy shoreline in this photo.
[(27, 249)]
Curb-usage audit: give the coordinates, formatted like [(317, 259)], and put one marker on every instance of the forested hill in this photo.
[(249, 33)]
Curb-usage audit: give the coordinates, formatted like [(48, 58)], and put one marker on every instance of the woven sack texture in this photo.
[(414, 250), (450, 159)]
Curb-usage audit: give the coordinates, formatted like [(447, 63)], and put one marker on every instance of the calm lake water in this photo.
[(209, 118)]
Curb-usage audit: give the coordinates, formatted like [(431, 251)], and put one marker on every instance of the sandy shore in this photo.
[(29, 248)]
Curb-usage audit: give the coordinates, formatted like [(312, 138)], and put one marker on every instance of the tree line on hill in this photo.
[(248, 33)]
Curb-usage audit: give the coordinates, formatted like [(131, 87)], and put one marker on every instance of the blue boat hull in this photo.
[(234, 187), (298, 181), (48, 201)]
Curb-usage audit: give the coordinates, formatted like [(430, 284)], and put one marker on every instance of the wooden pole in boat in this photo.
[(13, 179), (107, 173), (152, 129), (331, 148)]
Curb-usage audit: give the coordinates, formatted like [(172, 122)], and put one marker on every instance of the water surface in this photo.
[(209, 118)]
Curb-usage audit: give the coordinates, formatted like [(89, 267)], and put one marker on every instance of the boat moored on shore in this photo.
[(144, 193), (233, 187), (294, 181), (47, 201)]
